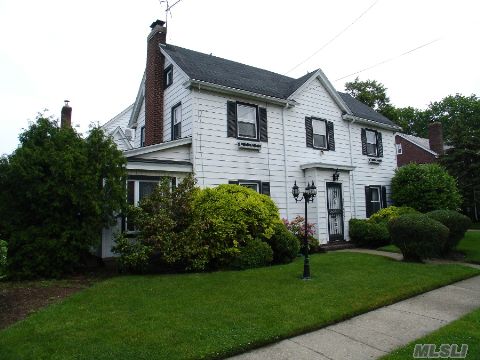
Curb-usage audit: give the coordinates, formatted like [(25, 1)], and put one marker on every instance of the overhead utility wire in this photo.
[(333, 39), (388, 60)]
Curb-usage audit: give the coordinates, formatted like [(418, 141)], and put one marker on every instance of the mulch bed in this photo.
[(19, 299)]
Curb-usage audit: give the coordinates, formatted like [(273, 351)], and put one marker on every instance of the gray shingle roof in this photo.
[(215, 70), (364, 111)]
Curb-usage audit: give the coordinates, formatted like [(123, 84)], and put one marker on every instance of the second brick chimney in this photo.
[(66, 115), (435, 137), (154, 84)]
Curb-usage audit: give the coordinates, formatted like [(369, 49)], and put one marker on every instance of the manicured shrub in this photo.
[(425, 187), (233, 213), (386, 214), (255, 253), (284, 244), (3, 257), (418, 236), (134, 256), (457, 224), (369, 234)]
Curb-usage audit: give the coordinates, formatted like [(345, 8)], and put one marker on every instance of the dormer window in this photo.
[(168, 76)]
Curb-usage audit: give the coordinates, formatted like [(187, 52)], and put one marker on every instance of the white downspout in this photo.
[(353, 171), (285, 162)]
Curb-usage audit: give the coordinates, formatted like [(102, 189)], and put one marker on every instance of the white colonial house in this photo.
[(232, 123)]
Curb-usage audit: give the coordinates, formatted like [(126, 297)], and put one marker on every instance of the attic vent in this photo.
[(128, 134)]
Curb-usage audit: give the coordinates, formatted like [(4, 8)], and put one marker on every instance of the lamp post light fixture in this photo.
[(308, 195), (336, 175)]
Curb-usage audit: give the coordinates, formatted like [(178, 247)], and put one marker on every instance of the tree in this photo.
[(58, 192), (370, 92), (425, 187)]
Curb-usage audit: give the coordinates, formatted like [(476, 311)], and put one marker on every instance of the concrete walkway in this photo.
[(378, 332)]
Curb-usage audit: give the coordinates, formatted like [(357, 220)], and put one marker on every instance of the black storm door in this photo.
[(335, 211)]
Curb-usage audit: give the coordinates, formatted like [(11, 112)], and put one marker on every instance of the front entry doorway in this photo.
[(335, 212)]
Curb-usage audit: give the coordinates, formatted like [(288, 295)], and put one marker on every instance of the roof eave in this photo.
[(200, 84), (157, 147), (417, 144), (361, 120)]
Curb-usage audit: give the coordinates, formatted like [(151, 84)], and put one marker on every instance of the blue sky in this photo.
[(93, 52)]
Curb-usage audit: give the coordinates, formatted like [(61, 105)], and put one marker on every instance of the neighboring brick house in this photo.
[(414, 149)]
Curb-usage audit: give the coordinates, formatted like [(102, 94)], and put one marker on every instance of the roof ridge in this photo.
[(238, 62)]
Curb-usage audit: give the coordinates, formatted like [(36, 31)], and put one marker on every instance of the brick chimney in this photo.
[(435, 137), (66, 116), (154, 84)]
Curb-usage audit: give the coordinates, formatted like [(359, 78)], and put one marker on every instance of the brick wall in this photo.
[(412, 153)]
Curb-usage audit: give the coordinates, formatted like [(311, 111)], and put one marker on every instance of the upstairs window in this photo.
[(142, 136), (372, 143), (319, 128), (320, 134), (247, 121), (177, 122), (399, 149), (168, 76)]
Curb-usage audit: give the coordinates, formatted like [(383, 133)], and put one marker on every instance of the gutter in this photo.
[(233, 91), (361, 120)]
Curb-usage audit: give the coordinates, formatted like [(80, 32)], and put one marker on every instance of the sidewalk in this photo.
[(378, 332)]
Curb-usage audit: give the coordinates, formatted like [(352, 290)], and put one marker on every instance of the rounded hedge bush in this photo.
[(386, 214), (369, 234), (425, 187), (418, 236), (284, 244), (457, 223), (255, 253), (234, 213)]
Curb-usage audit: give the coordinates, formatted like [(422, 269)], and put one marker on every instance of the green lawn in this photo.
[(469, 245), (212, 315), (465, 330)]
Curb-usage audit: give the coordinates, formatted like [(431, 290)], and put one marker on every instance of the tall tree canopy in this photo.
[(370, 92), (58, 191)]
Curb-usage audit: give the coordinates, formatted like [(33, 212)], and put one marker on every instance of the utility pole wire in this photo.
[(388, 60), (334, 38)]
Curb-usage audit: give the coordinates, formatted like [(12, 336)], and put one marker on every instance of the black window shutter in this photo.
[(231, 119), (266, 188), (330, 136), (384, 197), (309, 131), (174, 182), (379, 144), (368, 201), (364, 142), (234, 182), (262, 114)]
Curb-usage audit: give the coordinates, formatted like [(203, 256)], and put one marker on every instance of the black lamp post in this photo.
[(308, 195)]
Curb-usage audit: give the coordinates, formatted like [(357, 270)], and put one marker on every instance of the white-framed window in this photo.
[(399, 149), (319, 128), (372, 146), (168, 76), (177, 122), (247, 121), (250, 184)]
